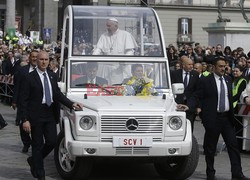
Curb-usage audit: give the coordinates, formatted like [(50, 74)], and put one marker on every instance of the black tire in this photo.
[(179, 167), (68, 169)]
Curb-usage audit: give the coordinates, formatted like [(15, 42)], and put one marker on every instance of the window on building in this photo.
[(185, 2), (184, 25)]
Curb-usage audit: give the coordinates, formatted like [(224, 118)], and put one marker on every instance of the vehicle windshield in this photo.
[(115, 31), (119, 78)]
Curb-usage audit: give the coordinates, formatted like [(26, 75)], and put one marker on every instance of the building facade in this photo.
[(183, 20)]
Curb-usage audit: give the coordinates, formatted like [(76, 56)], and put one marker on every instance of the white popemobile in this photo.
[(129, 108)]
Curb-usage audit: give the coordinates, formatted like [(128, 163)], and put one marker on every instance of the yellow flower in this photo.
[(142, 86)]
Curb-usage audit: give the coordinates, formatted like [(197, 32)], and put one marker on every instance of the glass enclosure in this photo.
[(120, 78), (118, 31)]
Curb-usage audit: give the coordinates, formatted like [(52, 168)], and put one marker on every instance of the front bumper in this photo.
[(82, 148)]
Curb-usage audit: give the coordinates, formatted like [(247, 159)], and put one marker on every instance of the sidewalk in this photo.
[(14, 166)]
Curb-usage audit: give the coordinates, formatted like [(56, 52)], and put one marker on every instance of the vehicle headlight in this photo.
[(175, 123), (86, 122)]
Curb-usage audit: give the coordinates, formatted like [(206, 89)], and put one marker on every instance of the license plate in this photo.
[(132, 141)]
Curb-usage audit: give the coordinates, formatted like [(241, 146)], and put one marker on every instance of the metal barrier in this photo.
[(244, 112), (6, 86)]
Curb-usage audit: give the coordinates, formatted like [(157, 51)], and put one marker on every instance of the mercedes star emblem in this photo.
[(132, 124)]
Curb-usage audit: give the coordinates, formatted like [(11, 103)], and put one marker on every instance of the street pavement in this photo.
[(13, 165)]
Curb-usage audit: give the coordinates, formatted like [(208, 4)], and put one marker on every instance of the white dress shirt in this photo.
[(184, 74), (31, 68), (40, 73)]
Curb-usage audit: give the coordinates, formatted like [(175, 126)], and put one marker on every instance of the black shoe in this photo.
[(3, 125), (211, 178), (240, 178), (41, 178), (25, 149), (214, 178), (32, 168)]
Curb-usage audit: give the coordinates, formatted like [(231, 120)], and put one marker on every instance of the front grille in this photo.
[(136, 151), (117, 124)]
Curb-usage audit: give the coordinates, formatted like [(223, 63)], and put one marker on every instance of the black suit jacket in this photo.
[(8, 67), (207, 96), (176, 77), (32, 95), (84, 80), (19, 78)]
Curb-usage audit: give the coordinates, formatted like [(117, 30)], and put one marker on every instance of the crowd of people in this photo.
[(16, 53), (215, 83), (206, 55)]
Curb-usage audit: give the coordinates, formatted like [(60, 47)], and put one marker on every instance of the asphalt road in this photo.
[(14, 166)]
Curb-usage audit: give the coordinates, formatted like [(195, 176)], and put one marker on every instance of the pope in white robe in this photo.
[(115, 42)]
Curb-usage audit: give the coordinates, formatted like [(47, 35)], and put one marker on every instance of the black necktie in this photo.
[(46, 90), (222, 96), (186, 80)]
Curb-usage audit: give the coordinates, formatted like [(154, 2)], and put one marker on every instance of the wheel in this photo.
[(67, 168), (179, 167)]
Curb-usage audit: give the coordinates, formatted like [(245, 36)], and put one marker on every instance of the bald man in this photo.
[(40, 110), (189, 78), (115, 41), (198, 68)]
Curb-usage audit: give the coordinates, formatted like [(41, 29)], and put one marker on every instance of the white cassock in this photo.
[(246, 120), (119, 43)]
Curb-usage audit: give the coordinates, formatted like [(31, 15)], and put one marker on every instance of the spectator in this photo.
[(209, 55), (247, 69), (19, 80), (8, 64), (199, 54), (239, 84), (177, 65), (53, 65), (218, 50), (198, 68), (234, 58), (183, 50), (190, 53), (242, 61), (172, 56), (240, 51)]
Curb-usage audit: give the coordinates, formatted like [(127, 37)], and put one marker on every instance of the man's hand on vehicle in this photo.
[(182, 107), (77, 106)]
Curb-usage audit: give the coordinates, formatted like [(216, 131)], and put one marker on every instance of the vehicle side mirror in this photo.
[(62, 86), (178, 88)]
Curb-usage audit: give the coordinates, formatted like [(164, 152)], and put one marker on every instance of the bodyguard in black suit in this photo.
[(19, 79), (9, 64), (214, 95), (189, 78), (90, 78), (39, 106)]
